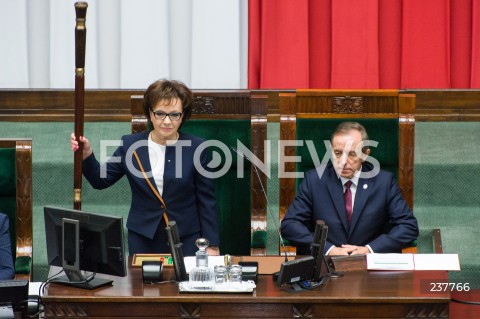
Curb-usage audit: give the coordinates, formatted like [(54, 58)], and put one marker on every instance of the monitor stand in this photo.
[(76, 279)]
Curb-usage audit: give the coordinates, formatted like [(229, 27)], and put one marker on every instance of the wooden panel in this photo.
[(347, 101), (139, 121), (358, 294), (272, 102), (58, 105), (406, 144), (233, 310), (258, 200), (286, 183), (114, 105), (447, 105), (287, 133)]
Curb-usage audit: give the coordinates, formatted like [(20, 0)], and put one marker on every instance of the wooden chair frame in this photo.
[(24, 214), (229, 104), (349, 104)]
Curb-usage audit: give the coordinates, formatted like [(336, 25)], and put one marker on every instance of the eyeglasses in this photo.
[(173, 116)]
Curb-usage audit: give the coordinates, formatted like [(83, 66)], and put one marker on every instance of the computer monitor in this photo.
[(13, 297), (307, 272), (81, 241)]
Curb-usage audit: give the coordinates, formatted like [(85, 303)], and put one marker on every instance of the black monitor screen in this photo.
[(84, 241), (14, 294)]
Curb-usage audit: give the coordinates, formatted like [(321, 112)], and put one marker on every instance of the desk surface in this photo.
[(358, 294)]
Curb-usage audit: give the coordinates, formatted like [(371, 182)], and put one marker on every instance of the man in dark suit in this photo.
[(370, 215), (6, 261)]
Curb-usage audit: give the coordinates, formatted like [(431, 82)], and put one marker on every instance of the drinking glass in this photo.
[(235, 273)]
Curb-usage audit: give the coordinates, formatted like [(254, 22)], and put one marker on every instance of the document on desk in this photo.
[(413, 262)]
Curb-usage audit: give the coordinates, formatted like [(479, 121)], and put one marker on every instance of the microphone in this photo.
[(318, 230), (266, 198), (317, 247)]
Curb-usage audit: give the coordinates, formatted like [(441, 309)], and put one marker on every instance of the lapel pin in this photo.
[(365, 186)]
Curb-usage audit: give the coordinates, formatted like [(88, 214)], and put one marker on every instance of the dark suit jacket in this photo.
[(378, 202), (190, 199), (7, 270)]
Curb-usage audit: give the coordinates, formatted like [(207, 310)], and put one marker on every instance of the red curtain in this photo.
[(364, 44)]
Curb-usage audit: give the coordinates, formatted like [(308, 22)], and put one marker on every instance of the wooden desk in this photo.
[(358, 294)]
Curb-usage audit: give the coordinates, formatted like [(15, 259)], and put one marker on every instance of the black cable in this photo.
[(84, 281), (43, 285), (476, 303), (304, 285)]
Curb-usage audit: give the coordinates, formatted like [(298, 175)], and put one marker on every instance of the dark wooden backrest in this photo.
[(227, 115), (319, 111), (16, 200)]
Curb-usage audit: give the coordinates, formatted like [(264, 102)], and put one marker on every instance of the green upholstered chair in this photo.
[(387, 115), (16, 200), (228, 116)]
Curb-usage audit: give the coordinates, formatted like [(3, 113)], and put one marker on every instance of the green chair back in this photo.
[(232, 193), (313, 114), (383, 131), (8, 191), (16, 200)]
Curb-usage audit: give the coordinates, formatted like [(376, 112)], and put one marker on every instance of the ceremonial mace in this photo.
[(80, 37)]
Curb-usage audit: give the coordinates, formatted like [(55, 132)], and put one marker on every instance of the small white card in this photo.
[(413, 262), (437, 262)]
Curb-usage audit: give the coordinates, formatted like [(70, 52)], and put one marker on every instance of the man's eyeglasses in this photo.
[(160, 115)]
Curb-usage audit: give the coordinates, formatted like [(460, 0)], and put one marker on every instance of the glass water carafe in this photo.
[(201, 277)]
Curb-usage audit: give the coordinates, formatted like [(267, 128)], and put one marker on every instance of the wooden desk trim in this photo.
[(129, 297)]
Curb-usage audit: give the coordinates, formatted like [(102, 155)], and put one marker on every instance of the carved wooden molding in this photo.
[(406, 154), (190, 310), (428, 311), (64, 310), (203, 105), (302, 311), (347, 104), (24, 197)]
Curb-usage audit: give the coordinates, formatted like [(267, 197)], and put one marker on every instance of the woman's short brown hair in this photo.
[(167, 91)]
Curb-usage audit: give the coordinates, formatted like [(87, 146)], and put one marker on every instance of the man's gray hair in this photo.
[(344, 127)]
